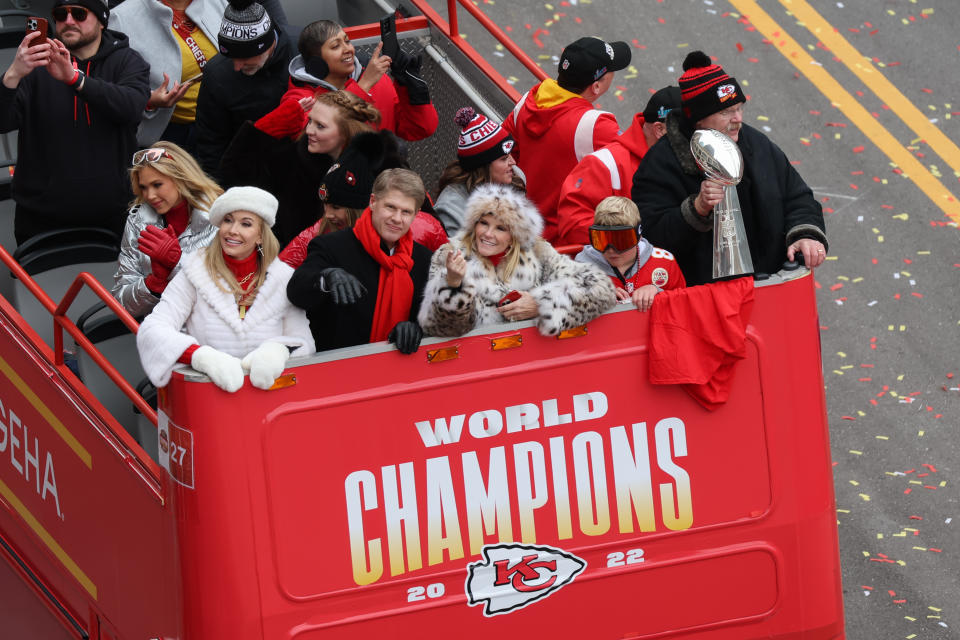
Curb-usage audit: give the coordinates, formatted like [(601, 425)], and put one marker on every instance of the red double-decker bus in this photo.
[(501, 483)]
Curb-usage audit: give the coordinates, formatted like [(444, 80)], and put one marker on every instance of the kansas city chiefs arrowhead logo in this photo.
[(511, 576)]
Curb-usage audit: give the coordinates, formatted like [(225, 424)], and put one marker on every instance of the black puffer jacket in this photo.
[(74, 147), (778, 206)]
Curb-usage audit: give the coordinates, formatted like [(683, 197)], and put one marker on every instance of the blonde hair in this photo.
[(510, 259), (617, 211), (194, 186), (405, 181), (353, 114), (221, 275)]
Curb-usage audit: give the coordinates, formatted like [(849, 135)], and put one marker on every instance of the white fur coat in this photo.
[(194, 310), (568, 293)]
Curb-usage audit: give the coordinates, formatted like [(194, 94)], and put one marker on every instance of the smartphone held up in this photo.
[(39, 25), (388, 36)]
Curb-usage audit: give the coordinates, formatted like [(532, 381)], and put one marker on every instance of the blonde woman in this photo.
[(168, 217), (499, 269), (226, 313)]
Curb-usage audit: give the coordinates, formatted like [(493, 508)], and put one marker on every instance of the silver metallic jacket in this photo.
[(134, 266)]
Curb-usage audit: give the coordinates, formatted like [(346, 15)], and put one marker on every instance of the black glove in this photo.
[(344, 287), (407, 336), (406, 71)]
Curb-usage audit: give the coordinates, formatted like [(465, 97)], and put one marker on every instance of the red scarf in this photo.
[(395, 288), (242, 269), (495, 259), (178, 216)]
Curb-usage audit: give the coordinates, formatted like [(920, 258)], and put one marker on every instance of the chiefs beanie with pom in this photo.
[(481, 141), (706, 88)]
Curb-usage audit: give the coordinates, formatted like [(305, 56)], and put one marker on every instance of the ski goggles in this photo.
[(620, 238), (60, 13), (150, 155)]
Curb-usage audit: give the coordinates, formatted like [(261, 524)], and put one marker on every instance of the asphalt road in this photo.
[(866, 105)]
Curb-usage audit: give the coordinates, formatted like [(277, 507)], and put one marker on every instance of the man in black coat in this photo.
[(781, 217), (77, 103), (244, 83), (365, 284)]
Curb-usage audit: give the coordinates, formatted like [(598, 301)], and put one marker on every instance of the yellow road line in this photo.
[(857, 114), (861, 66), (42, 409), (48, 540)]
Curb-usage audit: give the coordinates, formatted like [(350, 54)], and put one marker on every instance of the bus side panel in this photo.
[(86, 517), (503, 491)]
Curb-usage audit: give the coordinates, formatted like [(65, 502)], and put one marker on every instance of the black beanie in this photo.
[(246, 30), (706, 88), (99, 8), (349, 181)]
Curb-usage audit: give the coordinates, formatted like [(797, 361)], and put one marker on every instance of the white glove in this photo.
[(266, 363), (223, 369)]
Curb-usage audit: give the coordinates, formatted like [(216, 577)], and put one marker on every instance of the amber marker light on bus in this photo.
[(575, 332), (443, 353), (506, 342), (283, 382)]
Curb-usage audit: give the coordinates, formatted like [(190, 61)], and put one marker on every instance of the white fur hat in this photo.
[(252, 199), (510, 207)]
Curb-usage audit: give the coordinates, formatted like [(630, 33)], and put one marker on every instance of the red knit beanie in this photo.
[(481, 141), (706, 88)]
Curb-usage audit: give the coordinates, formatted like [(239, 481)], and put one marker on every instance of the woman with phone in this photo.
[(500, 269), (168, 218), (327, 61), (226, 313), (483, 155)]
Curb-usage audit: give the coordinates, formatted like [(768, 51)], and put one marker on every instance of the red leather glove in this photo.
[(161, 245), (163, 249)]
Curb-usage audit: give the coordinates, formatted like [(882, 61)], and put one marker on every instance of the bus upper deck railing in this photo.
[(451, 29), (61, 322)]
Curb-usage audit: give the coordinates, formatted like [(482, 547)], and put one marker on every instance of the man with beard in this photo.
[(781, 217), (77, 103), (245, 82)]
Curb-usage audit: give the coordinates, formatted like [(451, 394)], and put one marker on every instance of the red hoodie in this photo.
[(554, 129), (607, 172)]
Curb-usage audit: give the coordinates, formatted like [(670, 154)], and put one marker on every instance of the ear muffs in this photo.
[(317, 67)]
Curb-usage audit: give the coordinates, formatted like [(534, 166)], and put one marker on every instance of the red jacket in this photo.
[(408, 121), (607, 172), (660, 269), (426, 230), (553, 130)]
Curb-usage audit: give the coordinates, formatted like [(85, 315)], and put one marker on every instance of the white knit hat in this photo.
[(252, 199)]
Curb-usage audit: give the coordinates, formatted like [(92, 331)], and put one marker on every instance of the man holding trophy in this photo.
[(724, 205)]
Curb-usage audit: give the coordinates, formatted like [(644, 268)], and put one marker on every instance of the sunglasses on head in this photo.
[(620, 238), (150, 155), (79, 13)]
